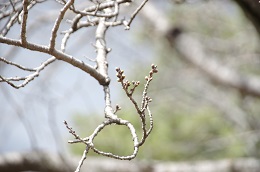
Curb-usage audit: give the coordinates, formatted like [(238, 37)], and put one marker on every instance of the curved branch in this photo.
[(136, 144), (113, 119)]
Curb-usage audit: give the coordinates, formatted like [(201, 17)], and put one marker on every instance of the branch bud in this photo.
[(117, 69)]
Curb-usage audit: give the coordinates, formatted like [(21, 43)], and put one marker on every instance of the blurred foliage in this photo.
[(194, 118), (177, 135)]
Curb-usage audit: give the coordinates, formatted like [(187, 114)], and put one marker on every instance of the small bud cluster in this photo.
[(117, 108), (135, 84), (120, 74), (126, 84), (154, 70), (149, 99)]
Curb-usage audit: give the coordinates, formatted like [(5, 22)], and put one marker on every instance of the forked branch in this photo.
[(113, 119), (101, 15), (26, 79)]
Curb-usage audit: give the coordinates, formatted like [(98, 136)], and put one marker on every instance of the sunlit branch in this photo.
[(57, 24)]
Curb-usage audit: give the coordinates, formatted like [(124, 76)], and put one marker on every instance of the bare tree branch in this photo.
[(17, 65), (113, 119), (103, 15), (29, 78), (57, 24), (24, 21), (14, 15), (127, 24), (61, 56), (102, 50)]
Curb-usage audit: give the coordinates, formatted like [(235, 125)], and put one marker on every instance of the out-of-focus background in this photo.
[(196, 116)]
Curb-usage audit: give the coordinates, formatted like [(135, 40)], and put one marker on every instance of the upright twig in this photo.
[(57, 24), (127, 24), (24, 21)]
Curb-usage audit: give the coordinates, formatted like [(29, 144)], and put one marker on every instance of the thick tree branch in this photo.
[(60, 56), (102, 50), (81, 65)]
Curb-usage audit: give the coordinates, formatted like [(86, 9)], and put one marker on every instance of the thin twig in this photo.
[(17, 65), (12, 5), (84, 156), (31, 77), (95, 12), (134, 14), (24, 21), (57, 24)]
